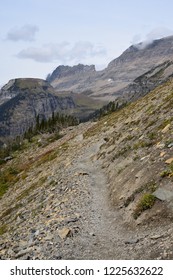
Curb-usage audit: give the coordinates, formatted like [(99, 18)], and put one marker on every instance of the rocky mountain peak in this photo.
[(157, 49), (64, 71), (23, 85)]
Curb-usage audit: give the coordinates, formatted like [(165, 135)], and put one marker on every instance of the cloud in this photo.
[(158, 33), (25, 33), (136, 39), (155, 34), (63, 52)]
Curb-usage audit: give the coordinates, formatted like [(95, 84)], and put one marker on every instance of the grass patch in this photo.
[(46, 157), (128, 138), (8, 177), (167, 172), (146, 202), (164, 124), (142, 144), (10, 210), (149, 187), (28, 191), (3, 229), (152, 135), (121, 152), (151, 123), (93, 130)]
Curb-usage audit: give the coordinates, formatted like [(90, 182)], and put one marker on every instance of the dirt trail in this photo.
[(103, 236)]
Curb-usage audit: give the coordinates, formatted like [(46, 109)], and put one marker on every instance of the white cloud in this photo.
[(136, 39), (155, 34), (158, 33), (24, 33), (63, 52)]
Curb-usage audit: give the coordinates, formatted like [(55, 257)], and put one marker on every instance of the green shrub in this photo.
[(165, 173), (146, 202)]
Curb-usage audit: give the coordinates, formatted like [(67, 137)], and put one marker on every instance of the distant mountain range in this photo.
[(122, 71), (81, 90)]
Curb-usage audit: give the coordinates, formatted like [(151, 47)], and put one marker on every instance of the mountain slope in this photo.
[(134, 62), (102, 191), (145, 83)]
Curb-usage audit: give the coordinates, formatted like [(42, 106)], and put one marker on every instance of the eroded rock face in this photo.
[(6, 92), (23, 85), (23, 100)]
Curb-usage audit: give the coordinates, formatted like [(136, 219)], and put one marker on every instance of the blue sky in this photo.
[(38, 35)]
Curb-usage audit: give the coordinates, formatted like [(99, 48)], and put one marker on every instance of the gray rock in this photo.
[(49, 237), (164, 194), (23, 252), (8, 158), (170, 145), (72, 220), (132, 241), (57, 257), (64, 232), (92, 234), (157, 236)]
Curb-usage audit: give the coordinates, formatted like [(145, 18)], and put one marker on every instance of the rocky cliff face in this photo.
[(24, 99), (134, 62)]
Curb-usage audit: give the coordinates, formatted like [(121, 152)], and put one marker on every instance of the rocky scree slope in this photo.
[(145, 83), (132, 63), (102, 191)]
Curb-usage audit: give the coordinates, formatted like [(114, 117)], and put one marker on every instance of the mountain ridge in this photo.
[(120, 72)]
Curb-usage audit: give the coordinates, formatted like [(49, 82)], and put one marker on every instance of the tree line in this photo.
[(54, 124)]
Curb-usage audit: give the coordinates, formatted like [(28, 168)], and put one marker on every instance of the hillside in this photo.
[(145, 83), (122, 71), (102, 191)]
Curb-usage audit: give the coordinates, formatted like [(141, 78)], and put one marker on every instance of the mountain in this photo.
[(66, 71), (101, 191), (141, 86), (133, 62), (22, 100), (145, 83)]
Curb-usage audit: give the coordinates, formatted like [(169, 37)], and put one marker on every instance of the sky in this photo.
[(36, 36)]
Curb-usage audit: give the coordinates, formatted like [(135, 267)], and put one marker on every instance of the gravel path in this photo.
[(102, 235)]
